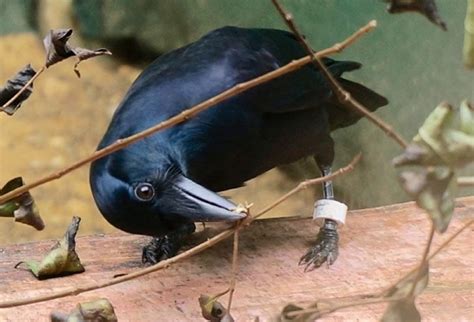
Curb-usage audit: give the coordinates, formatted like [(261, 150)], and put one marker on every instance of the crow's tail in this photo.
[(342, 116)]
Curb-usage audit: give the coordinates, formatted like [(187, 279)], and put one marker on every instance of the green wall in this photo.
[(16, 16)]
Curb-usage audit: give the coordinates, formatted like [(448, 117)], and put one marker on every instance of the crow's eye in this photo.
[(144, 192)]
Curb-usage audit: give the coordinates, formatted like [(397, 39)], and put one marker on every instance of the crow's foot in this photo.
[(326, 249), (160, 248)]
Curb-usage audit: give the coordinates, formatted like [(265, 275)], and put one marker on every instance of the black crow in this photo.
[(161, 185)]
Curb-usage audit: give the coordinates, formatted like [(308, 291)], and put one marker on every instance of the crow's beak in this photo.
[(206, 204)]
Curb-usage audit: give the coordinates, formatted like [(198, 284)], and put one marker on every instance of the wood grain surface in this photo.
[(377, 246)]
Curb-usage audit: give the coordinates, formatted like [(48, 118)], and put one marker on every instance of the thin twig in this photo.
[(342, 95), (35, 76), (308, 183), (235, 266), (187, 114), (335, 307), (424, 258), (166, 263), (466, 181), (446, 243)]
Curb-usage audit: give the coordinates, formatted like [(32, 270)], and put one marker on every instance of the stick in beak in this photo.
[(208, 204)]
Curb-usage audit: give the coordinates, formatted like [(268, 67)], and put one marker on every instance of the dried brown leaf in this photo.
[(403, 310), (98, 310), (57, 49), (62, 259), (56, 46), (13, 86), (23, 208), (427, 8), (83, 54), (212, 310), (303, 317)]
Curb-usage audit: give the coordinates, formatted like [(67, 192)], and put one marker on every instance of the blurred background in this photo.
[(412, 62)]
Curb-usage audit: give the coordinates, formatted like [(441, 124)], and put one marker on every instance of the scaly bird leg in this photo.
[(326, 249), (161, 248)]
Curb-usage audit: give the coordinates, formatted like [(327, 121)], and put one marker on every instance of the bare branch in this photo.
[(235, 267), (308, 183), (424, 258), (187, 114), (342, 95)]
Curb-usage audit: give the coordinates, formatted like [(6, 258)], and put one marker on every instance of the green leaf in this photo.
[(403, 310), (434, 190), (98, 310), (466, 114), (445, 138), (468, 49), (23, 208), (62, 259)]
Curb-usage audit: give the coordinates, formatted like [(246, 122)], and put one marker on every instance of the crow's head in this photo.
[(142, 192)]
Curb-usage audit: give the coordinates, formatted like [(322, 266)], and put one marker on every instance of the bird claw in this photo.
[(159, 248), (326, 250)]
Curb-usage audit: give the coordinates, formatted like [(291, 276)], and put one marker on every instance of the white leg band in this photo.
[(330, 209)]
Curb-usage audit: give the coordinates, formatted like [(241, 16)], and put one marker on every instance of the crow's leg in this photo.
[(326, 249), (161, 248)]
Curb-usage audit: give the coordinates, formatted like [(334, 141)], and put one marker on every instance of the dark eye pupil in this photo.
[(145, 191)]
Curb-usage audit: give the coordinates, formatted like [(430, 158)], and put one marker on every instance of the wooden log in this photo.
[(377, 247)]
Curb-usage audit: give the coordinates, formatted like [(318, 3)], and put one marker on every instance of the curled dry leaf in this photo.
[(445, 138), (403, 310), (83, 54), (55, 44), (23, 208), (434, 190), (427, 8), (13, 86), (98, 310), (213, 310), (62, 259), (303, 317), (57, 49)]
